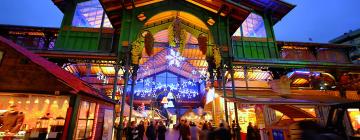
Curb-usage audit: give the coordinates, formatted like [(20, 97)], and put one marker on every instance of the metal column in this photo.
[(235, 106)]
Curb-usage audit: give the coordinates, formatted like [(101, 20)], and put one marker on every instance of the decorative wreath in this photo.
[(202, 41), (149, 43)]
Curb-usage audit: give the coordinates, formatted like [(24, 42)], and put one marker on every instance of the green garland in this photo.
[(182, 41), (171, 37), (217, 56), (136, 51)]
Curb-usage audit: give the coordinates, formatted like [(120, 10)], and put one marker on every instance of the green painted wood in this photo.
[(254, 50), (81, 41), (153, 9), (75, 104)]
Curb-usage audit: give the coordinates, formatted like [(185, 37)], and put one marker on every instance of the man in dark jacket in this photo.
[(141, 129), (222, 133), (161, 131), (150, 132)]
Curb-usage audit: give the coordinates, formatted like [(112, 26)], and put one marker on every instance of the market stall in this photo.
[(39, 100)]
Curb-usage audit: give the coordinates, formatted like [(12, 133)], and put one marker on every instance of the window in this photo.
[(85, 120), (253, 26), (354, 114), (1, 56), (89, 14)]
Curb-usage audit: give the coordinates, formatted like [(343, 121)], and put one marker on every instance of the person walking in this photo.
[(161, 130), (141, 129), (204, 132), (222, 133), (184, 130), (250, 135), (132, 131), (257, 133), (194, 131), (150, 132)]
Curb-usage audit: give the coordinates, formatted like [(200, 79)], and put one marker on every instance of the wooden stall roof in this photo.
[(292, 111), (77, 85), (237, 9)]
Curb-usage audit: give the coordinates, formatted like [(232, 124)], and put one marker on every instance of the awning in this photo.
[(291, 111)]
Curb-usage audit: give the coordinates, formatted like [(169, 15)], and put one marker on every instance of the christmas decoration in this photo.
[(149, 44), (171, 38), (217, 57), (174, 58), (136, 51), (182, 40)]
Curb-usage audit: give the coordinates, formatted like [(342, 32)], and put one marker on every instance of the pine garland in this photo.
[(136, 51), (171, 38), (182, 41), (217, 56)]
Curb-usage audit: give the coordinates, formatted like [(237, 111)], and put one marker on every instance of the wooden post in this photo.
[(224, 92), (75, 105)]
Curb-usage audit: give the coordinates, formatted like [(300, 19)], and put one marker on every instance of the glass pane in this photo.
[(89, 14), (89, 128), (80, 130), (92, 110), (253, 26), (84, 108)]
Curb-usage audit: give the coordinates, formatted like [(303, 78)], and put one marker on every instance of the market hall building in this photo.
[(192, 59)]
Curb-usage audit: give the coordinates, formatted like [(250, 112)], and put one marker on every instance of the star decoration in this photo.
[(174, 58)]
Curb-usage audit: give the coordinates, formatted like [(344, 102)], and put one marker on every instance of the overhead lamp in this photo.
[(170, 95), (211, 21), (164, 100), (170, 104), (141, 16)]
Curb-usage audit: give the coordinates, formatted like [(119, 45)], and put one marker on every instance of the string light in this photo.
[(183, 89)]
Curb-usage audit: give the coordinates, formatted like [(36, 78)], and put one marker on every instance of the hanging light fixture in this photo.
[(170, 104), (170, 95), (164, 100)]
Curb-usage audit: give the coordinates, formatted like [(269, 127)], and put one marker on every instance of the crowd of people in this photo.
[(187, 130), (152, 130)]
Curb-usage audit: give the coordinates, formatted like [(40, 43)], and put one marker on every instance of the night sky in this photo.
[(320, 20)]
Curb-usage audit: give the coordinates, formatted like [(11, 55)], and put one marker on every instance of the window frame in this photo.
[(87, 119)]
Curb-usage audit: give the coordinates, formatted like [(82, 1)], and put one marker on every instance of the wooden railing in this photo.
[(265, 49)]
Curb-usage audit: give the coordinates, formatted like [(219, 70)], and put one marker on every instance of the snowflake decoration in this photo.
[(174, 58), (194, 72), (147, 82)]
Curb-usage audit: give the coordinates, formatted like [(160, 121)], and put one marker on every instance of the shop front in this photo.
[(39, 100)]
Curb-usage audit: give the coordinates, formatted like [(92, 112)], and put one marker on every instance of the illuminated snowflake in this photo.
[(194, 72), (174, 58)]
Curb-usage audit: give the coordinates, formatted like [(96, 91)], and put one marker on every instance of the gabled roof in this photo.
[(238, 10), (65, 77), (346, 37)]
